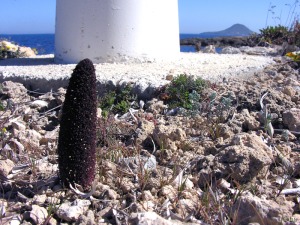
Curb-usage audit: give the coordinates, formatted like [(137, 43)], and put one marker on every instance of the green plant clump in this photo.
[(117, 101), (275, 34), (77, 135), (294, 37), (183, 91)]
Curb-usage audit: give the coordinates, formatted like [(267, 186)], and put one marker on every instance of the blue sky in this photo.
[(38, 16)]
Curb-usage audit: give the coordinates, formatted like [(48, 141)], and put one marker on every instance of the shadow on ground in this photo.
[(27, 61)]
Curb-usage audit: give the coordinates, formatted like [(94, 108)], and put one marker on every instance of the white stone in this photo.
[(169, 191), (39, 199), (30, 138), (150, 218), (291, 118), (38, 214), (39, 103), (18, 125), (47, 168), (16, 145), (3, 206), (27, 52), (99, 113), (49, 136), (5, 167), (230, 50), (116, 31), (210, 49), (70, 211), (15, 220)]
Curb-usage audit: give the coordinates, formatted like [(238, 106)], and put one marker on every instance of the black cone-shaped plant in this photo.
[(77, 135)]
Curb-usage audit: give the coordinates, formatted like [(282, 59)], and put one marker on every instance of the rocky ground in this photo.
[(234, 160)]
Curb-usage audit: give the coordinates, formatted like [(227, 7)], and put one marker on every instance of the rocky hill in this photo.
[(234, 30)]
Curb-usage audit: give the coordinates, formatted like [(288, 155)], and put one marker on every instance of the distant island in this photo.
[(236, 30), (236, 36)]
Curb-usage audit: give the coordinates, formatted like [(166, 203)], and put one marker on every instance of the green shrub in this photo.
[(77, 135), (294, 37), (117, 101), (182, 90), (275, 35)]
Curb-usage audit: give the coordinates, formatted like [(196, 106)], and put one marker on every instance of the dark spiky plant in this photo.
[(77, 135)]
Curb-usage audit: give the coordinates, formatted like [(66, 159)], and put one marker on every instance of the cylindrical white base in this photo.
[(116, 30)]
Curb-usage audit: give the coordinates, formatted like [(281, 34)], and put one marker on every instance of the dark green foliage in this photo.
[(294, 37), (117, 101), (1, 106), (275, 35), (182, 91), (77, 135)]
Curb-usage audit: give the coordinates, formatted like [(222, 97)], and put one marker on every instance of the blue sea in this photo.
[(44, 43)]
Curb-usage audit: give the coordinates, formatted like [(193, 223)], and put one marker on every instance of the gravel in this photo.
[(42, 73)]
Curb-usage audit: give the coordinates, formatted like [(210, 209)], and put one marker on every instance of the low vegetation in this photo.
[(118, 100), (183, 91)]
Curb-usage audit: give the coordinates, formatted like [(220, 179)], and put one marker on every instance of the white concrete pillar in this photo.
[(116, 30)]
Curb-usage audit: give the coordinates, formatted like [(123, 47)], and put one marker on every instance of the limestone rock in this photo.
[(53, 221), (18, 125), (168, 136), (39, 199), (27, 51), (169, 191), (210, 49), (39, 104), (52, 200), (150, 218), (39, 123), (12, 220), (230, 50), (155, 106), (3, 207), (45, 167), (252, 209), (247, 158), (70, 211), (288, 90), (30, 138), (146, 128), (146, 195), (205, 166), (89, 219), (60, 97), (169, 77), (5, 167), (14, 90), (259, 50), (249, 121), (291, 118), (38, 214), (50, 136)]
